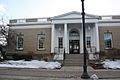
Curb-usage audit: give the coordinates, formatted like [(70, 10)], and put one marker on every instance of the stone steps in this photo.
[(73, 60), (74, 56)]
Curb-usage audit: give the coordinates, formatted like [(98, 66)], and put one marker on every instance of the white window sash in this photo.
[(42, 37)]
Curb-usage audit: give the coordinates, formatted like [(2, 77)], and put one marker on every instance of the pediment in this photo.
[(74, 15)]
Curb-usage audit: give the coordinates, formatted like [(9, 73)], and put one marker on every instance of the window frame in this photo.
[(74, 33), (88, 46), (60, 42), (42, 37), (20, 35), (106, 47)]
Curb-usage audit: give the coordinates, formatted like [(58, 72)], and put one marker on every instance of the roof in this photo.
[(74, 14)]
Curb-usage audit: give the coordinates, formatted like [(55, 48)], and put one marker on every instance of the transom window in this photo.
[(108, 40), (20, 41), (88, 42), (74, 33), (41, 41)]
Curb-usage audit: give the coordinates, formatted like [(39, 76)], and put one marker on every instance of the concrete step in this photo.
[(77, 64), (73, 60), (73, 56)]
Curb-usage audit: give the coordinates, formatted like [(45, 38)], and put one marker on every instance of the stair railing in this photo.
[(92, 51), (59, 52)]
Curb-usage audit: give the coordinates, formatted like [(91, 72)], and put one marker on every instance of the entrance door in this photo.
[(74, 47)]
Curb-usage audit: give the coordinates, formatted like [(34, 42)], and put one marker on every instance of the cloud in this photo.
[(56, 7), (102, 7), (2, 9), (50, 8)]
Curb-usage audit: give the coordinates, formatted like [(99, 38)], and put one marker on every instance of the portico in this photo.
[(72, 37), (68, 27)]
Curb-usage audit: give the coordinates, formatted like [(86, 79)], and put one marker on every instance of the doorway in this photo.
[(74, 47)]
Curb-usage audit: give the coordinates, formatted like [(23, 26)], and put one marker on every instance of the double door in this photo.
[(74, 46)]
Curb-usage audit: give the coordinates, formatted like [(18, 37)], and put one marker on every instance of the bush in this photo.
[(26, 57), (110, 54), (29, 56)]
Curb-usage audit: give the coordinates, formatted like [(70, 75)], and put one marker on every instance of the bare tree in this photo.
[(3, 40)]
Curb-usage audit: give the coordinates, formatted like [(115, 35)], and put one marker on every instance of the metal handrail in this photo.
[(64, 55), (92, 49), (93, 52), (58, 50)]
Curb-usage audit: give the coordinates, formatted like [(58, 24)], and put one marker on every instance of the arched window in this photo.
[(74, 33)]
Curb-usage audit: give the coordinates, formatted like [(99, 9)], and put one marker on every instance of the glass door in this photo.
[(74, 46)]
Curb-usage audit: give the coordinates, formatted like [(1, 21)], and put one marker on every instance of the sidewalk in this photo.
[(66, 72), (43, 78)]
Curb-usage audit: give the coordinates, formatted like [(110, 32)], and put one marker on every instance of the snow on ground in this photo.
[(30, 64), (111, 64)]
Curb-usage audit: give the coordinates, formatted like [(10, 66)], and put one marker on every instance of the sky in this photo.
[(14, 9)]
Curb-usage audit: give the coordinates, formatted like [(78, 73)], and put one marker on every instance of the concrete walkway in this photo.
[(66, 72)]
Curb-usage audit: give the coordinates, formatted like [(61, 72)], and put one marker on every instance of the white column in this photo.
[(81, 39), (52, 39), (97, 38), (65, 38)]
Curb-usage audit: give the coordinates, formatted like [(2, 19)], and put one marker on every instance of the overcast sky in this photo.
[(49, 8)]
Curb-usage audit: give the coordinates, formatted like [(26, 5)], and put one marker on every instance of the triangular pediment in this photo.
[(74, 14)]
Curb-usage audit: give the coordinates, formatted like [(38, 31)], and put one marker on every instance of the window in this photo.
[(88, 42), (20, 41), (108, 40), (60, 42), (41, 41), (74, 33)]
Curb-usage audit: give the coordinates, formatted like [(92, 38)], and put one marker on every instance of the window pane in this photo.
[(74, 33), (20, 41), (40, 44), (108, 39), (88, 42), (41, 41), (60, 42)]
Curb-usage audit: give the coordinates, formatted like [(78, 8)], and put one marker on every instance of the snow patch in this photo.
[(111, 64), (30, 64), (94, 77)]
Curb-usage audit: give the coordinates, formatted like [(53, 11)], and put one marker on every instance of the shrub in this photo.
[(24, 56), (110, 54)]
